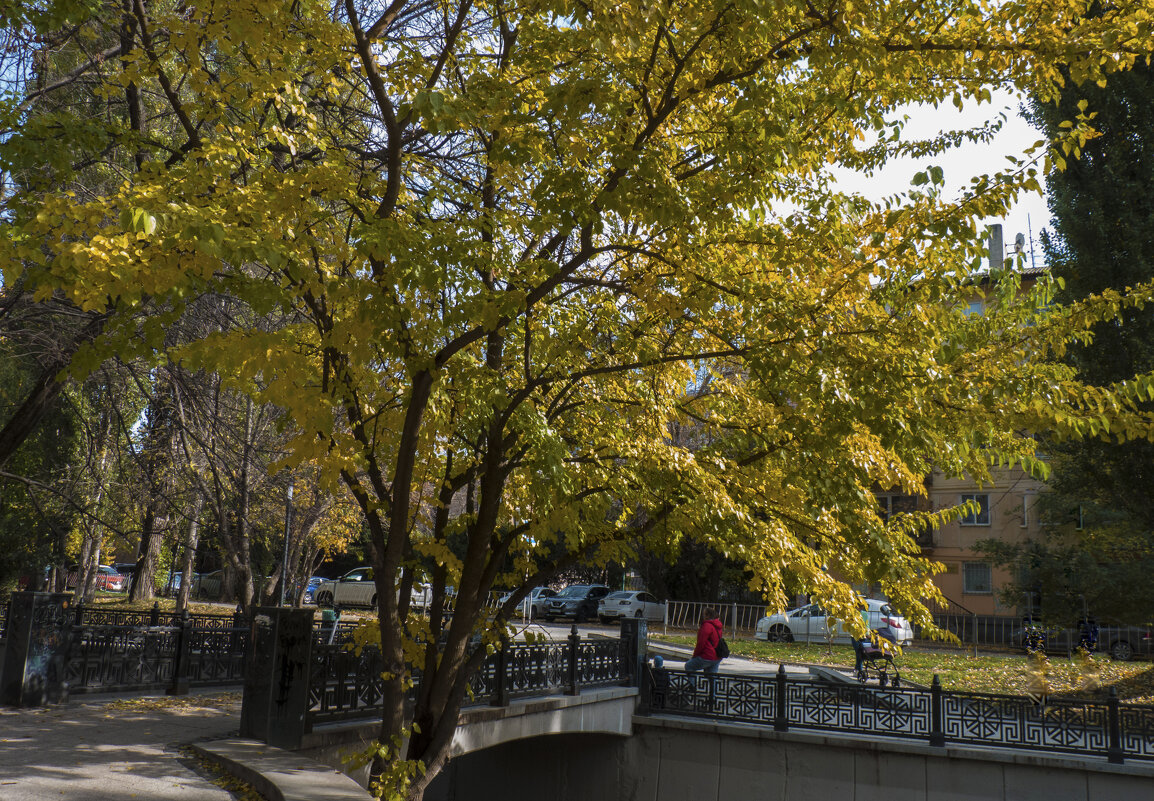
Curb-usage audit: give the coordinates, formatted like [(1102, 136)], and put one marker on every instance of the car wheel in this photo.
[(780, 634), (373, 604), (325, 599), (579, 617), (1121, 651), (533, 613), (549, 618), (605, 620), (640, 614)]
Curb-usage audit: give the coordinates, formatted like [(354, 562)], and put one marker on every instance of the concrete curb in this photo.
[(280, 775)]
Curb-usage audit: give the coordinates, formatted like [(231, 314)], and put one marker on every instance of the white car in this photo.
[(623, 604), (810, 624), (357, 588)]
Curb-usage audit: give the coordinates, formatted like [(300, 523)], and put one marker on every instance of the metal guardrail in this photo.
[(1087, 728), (736, 618)]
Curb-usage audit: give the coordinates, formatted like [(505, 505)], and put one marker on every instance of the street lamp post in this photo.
[(288, 521)]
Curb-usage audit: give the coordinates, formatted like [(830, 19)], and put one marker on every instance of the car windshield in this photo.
[(619, 595), (575, 591)]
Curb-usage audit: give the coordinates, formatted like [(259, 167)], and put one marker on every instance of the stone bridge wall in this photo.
[(681, 760)]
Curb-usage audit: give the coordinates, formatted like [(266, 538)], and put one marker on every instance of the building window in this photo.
[(982, 516), (976, 579), (896, 504), (975, 308)]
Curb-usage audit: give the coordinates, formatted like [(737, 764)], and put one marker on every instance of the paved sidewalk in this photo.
[(116, 748)]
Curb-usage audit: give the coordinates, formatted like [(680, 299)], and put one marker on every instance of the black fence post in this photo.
[(500, 695), (571, 685), (180, 670), (237, 623), (781, 715), (154, 615), (78, 612), (276, 683), (634, 647), (646, 685), (937, 733), (39, 632), (1114, 747)]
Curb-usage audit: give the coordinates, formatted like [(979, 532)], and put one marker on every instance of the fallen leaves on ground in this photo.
[(225, 702)]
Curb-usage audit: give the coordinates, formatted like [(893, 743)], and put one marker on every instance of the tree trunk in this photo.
[(192, 540)]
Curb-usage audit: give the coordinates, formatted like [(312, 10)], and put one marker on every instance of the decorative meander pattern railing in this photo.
[(92, 615), (345, 684), (1088, 728)]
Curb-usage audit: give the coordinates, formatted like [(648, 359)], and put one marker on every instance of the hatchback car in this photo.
[(630, 603), (577, 601), (810, 624)]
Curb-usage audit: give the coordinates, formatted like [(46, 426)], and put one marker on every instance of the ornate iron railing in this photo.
[(108, 658), (96, 616), (343, 684), (1088, 728), (346, 685)]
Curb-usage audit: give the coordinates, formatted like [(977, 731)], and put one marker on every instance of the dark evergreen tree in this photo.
[(1102, 239)]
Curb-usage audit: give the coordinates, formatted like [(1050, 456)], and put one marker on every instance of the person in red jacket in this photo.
[(705, 652)]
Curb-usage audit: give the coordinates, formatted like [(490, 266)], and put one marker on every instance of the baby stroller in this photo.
[(877, 663)]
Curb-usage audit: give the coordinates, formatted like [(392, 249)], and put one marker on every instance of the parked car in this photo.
[(1122, 643), (208, 586), (630, 603), (1126, 642), (533, 604), (357, 588), (810, 624), (107, 579), (311, 588), (577, 601), (128, 570)]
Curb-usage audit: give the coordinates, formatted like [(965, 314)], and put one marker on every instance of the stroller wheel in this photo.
[(895, 682), (860, 675), (882, 679)]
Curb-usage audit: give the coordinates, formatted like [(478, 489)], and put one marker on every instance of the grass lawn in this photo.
[(958, 670)]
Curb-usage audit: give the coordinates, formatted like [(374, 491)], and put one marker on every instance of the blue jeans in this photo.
[(696, 663)]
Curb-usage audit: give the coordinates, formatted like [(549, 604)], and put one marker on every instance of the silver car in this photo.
[(811, 624), (630, 603)]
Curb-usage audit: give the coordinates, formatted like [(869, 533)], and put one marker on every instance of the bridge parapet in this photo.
[(934, 716)]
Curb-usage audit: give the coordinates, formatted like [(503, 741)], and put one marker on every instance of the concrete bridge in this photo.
[(595, 746), (671, 758), (604, 711)]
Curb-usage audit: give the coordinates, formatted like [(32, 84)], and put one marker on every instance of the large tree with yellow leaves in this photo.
[(564, 277)]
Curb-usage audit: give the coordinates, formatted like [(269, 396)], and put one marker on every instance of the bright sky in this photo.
[(968, 161)]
